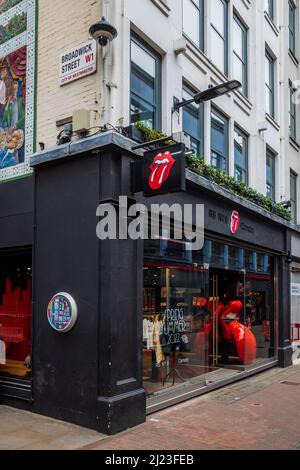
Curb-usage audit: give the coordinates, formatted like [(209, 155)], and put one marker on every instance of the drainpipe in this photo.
[(108, 84)]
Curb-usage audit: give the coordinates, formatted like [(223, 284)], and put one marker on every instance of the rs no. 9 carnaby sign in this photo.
[(62, 312)]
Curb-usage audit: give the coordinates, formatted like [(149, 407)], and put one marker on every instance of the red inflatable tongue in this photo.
[(160, 170), (245, 342)]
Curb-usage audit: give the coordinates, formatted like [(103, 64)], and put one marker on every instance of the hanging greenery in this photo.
[(198, 166)]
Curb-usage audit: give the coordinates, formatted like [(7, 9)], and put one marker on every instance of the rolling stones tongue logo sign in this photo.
[(160, 170), (164, 170), (235, 222)]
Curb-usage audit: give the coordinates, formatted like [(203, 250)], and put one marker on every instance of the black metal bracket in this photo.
[(152, 143)]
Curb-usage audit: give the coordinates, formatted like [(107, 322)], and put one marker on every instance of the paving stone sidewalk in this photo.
[(262, 412)]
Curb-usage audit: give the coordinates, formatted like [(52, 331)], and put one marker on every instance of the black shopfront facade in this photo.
[(157, 323)]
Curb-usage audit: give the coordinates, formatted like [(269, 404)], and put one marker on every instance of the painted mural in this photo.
[(7, 4), (17, 82), (16, 25), (12, 108)]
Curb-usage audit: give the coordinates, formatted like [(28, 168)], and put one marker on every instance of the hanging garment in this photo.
[(157, 330)]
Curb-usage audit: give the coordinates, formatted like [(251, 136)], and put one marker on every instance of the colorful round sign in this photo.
[(62, 312)]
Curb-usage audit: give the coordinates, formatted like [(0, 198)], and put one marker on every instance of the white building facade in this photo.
[(185, 46)]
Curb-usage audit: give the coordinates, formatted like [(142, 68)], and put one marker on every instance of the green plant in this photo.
[(198, 166), (149, 134)]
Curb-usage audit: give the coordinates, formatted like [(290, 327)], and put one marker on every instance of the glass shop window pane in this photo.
[(260, 311), (174, 337), (15, 315)]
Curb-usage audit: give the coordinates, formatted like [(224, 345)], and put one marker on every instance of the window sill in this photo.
[(243, 102), (294, 144), (162, 6), (271, 23), (293, 58), (196, 55), (272, 121)]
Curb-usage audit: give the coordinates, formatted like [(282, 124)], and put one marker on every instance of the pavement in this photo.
[(260, 413)]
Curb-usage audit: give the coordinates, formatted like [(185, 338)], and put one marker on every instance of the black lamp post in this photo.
[(209, 94)]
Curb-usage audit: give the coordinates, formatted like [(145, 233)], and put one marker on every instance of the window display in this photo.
[(15, 315), (207, 315)]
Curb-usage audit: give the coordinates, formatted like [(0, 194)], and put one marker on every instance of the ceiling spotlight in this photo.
[(103, 32)]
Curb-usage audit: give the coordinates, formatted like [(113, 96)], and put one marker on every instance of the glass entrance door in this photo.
[(225, 325)]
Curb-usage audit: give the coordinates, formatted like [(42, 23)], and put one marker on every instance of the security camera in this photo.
[(103, 32)]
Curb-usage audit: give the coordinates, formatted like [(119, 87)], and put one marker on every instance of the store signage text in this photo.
[(174, 325), (234, 221), (295, 288), (78, 62)]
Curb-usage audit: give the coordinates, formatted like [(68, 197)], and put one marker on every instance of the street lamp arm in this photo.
[(209, 94)]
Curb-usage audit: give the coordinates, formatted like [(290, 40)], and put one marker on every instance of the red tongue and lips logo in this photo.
[(160, 170), (235, 222)]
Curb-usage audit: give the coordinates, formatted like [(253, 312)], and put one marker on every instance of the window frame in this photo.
[(294, 206), (245, 136), (271, 9), (158, 80), (244, 59), (220, 115), (225, 39), (292, 27), (191, 91), (292, 113), (201, 23), (270, 154), (271, 86)]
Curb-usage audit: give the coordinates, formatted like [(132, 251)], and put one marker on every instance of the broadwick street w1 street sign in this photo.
[(161, 172), (78, 62)]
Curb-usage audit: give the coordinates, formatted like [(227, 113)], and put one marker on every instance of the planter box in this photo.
[(134, 133)]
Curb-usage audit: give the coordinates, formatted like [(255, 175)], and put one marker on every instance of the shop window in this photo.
[(295, 305), (206, 319), (260, 308), (145, 98), (15, 315)]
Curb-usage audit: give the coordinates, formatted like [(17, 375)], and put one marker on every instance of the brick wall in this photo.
[(61, 26)]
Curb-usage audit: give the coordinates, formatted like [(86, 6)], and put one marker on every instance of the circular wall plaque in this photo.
[(62, 312)]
